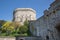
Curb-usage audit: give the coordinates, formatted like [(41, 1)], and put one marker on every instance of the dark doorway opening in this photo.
[(21, 39), (47, 37), (58, 27)]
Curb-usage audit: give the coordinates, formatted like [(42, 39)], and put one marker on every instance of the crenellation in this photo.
[(25, 9), (22, 14), (46, 12)]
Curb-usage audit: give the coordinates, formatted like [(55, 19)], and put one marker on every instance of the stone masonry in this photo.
[(22, 14), (48, 26)]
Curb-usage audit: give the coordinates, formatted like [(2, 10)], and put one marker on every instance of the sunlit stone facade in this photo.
[(22, 14)]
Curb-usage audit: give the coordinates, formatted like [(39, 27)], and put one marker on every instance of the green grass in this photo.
[(13, 35)]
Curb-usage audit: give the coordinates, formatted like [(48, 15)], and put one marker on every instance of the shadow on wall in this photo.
[(58, 27)]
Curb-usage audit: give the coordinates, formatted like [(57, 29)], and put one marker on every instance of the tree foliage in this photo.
[(8, 28), (23, 29), (14, 28)]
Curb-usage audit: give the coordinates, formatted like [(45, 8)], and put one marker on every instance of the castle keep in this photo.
[(22, 14)]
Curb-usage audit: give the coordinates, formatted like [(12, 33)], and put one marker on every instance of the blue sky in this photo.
[(7, 7)]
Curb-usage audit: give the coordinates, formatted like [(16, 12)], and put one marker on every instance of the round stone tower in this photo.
[(22, 14)]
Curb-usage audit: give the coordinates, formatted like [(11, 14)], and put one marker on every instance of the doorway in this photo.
[(21, 39), (58, 29)]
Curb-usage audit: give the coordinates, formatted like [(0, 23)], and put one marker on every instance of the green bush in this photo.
[(14, 29)]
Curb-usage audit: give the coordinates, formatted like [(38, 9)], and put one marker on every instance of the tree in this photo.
[(8, 27), (17, 26), (14, 28), (23, 29), (26, 23)]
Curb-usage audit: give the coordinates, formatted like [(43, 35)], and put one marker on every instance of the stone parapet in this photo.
[(7, 38), (25, 9)]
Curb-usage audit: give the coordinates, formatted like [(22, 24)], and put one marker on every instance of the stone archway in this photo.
[(21, 39)]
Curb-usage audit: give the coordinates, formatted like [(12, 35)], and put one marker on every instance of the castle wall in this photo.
[(29, 38), (46, 25)]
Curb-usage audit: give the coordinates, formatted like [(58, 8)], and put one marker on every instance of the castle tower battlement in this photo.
[(53, 9), (25, 9), (21, 14)]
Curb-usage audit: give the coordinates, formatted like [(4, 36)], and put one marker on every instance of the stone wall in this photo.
[(21, 38), (29, 38), (45, 26), (7, 38)]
